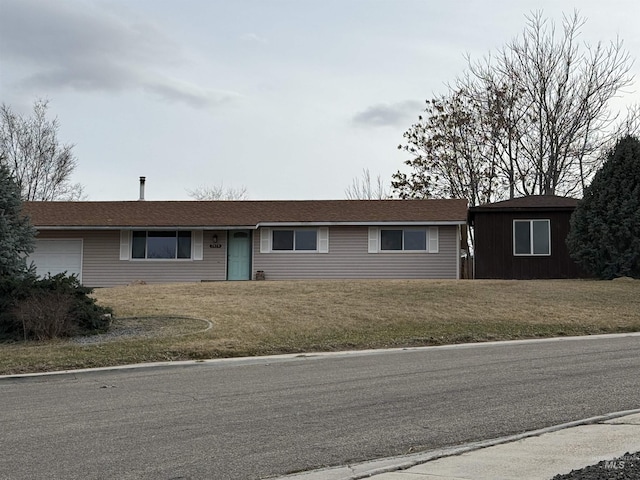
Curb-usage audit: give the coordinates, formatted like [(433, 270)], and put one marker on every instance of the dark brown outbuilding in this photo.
[(524, 238)]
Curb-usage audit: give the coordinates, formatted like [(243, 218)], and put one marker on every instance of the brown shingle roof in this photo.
[(532, 201), (528, 203), (240, 213)]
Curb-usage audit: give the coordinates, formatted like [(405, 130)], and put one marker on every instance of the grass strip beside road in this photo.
[(260, 318)]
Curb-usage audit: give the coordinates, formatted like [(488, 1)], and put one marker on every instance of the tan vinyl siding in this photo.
[(348, 257), (102, 267)]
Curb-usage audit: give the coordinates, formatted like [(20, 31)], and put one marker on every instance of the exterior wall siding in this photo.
[(494, 256), (102, 267), (348, 257)]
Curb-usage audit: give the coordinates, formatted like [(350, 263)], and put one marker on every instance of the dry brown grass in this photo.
[(251, 318)]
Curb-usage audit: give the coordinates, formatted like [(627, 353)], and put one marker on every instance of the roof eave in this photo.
[(515, 209), (363, 224), (249, 227)]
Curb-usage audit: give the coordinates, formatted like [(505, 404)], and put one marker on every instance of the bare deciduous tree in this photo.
[(629, 126), (40, 165), (363, 188), (534, 119), (218, 192), (452, 154)]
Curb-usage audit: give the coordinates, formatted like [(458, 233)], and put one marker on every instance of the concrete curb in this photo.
[(392, 464)]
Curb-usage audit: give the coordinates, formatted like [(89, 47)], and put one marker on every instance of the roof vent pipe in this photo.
[(142, 179)]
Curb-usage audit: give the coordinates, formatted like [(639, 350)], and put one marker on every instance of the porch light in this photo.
[(215, 238)]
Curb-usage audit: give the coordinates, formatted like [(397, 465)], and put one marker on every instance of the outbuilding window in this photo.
[(531, 237)]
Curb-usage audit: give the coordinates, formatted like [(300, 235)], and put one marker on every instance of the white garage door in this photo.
[(57, 256)]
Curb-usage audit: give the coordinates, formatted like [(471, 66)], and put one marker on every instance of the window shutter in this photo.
[(125, 245), (265, 240), (323, 240), (197, 244), (433, 239), (373, 239)]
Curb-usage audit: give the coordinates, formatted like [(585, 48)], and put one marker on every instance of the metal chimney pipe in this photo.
[(142, 180)]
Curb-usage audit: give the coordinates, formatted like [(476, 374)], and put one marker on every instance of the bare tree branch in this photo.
[(535, 118), (363, 188), (218, 192), (29, 147)]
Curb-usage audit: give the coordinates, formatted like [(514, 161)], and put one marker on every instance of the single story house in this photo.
[(523, 238), (119, 242)]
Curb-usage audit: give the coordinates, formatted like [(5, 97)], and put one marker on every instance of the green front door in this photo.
[(239, 255)]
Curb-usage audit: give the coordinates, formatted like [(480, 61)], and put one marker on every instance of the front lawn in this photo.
[(209, 320)]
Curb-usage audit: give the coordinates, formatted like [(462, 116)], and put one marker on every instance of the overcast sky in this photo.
[(291, 99)]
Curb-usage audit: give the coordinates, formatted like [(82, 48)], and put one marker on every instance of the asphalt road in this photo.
[(259, 418)]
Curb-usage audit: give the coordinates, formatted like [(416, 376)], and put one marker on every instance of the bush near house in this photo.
[(33, 307), (49, 307)]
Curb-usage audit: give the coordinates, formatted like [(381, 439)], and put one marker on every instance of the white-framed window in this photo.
[(161, 245), (294, 240), (403, 239), (531, 237), (305, 239)]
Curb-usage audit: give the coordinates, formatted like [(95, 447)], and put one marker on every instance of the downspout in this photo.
[(458, 254), (472, 244)]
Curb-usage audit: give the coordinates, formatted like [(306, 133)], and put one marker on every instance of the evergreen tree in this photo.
[(16, 233), (605, 228)]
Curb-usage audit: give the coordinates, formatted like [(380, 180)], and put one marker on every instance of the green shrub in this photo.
[(49, 307), (86, 314), (13, 290)]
